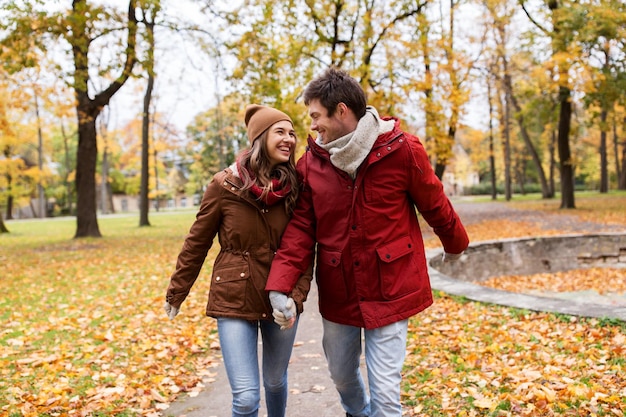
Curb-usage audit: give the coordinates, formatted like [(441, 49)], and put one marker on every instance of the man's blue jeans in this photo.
[(385, 349), (239, 344)]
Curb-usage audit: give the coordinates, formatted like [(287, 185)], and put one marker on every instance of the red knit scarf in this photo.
[(275, 194)]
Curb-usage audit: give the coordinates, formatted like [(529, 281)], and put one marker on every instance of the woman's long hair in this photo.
[(256, 160)]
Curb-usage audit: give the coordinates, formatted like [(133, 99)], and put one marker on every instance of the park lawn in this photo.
[(83, 332), (82, 321)]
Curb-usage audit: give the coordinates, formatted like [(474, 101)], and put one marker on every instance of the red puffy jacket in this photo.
[(370, 267)]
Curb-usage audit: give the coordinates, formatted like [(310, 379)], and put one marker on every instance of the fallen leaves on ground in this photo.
[(471, 359), (495, 229), (83, 333), (83, 328), (600, 280)]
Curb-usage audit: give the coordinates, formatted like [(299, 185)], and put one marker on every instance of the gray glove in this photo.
[(171, 310), (284, 309), (450, 257)]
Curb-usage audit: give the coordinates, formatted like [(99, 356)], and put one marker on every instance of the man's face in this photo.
[(328, 128)]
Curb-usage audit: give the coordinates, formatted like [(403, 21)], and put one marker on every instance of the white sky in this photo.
[(185, 83)]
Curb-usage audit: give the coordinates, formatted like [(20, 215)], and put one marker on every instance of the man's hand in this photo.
[(170, 310), (450, 257), (284, 309)]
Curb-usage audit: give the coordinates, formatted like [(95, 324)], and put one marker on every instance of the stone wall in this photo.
[(528, 256)]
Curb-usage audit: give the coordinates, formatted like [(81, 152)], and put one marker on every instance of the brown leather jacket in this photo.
[(249, 234)]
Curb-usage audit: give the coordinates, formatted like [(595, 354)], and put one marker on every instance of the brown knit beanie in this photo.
[(259, 118)]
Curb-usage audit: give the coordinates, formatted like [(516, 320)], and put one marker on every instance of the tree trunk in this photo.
[(104, 190), (86, 159), (144, 201), (565, 157), (156, 182), (9, 198), (41, 196), (442, 163), (3, 228), (604, 161), (618, 168), (506, 144), (622, 177), (68, 169), (545, 189), (552, 160), (88, 109), (492, 159)]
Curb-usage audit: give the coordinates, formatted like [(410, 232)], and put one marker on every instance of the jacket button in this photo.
[(334, 261), (410, 246), (243, 274), (263, 315), (218, 278), (388, 148), (378, 154), (354, 227), (388, 256)]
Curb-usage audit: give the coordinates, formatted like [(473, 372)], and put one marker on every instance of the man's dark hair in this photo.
[(335, 86)]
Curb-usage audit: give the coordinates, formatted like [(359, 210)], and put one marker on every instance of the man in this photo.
[(362, 179)]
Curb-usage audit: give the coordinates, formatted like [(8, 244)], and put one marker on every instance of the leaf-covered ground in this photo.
[(82, 324), (472, 359), (82, 330)]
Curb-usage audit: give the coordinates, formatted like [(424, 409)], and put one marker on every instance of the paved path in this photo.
[(312, 393)]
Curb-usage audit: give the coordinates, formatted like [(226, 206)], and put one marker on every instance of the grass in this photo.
[(82, 329), (82, 320)]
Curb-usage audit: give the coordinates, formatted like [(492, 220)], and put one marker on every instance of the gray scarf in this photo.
[(348, 152)]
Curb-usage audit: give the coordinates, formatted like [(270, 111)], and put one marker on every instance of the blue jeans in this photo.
[(385, 349), (239, 344)]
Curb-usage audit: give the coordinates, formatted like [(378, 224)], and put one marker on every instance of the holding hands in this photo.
[(284, 309)]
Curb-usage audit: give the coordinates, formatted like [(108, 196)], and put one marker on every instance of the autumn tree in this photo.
[(21, 148), (215, 138), (456, 68), (565, 18), (149, 11), (501, 15), (5, 132), (78, 30), (276, 59), (602, 38)]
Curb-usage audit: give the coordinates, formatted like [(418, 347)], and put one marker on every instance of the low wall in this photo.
[(528, 256)]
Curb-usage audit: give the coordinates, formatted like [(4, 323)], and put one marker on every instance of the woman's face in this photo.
[(281, 142)]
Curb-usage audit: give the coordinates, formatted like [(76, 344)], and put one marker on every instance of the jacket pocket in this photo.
[(397, 268), (330, 278), (229, 284)]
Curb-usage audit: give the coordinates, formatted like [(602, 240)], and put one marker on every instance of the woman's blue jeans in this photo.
[(385, 349), (239, 344)]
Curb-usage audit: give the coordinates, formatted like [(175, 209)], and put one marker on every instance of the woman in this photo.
[(248, 206)]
